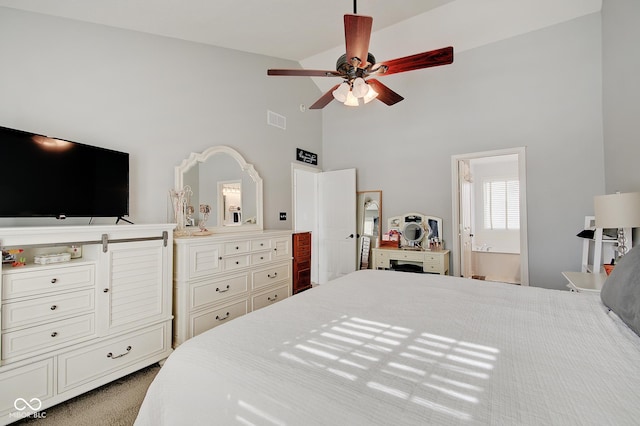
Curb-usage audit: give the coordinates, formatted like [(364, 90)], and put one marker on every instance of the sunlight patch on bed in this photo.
[(428, 367)]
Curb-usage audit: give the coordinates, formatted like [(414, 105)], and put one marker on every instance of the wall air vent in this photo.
[(276, 120)]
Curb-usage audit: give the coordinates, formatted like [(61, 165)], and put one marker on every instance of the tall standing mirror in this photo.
[(225, 186), (369, 213)]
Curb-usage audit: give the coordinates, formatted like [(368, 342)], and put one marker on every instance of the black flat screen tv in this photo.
[(48, 177)]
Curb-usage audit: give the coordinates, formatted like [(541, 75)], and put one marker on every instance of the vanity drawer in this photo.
[(35, 340), (49, 308), (236, 262), (203, 321), (95, 361), (381, 259), (237, 247), (410, 256), (270, 297), (214, 291), (48, 279), (271, 275)]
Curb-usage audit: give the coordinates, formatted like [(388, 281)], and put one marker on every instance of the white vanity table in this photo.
[(432, 261), (239, 267), (417, 233)]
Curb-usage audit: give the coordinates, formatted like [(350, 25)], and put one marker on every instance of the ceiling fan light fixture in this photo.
[(341, 93), (360, 87), (351, 100), (371, 95)]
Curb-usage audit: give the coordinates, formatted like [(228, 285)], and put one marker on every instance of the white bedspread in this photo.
[(393, 348)]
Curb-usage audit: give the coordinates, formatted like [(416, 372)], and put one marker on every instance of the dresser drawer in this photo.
[(215, 291), (271, 275), (48, 308), (270, 297), (30, 381), (203, 321), (204, 260), (46, 280), (94, 361), (237, 247), (236, 262), (261, 244), (258, 258), (34, 340)]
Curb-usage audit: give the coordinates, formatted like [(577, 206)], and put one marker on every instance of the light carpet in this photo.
[(114, 404)]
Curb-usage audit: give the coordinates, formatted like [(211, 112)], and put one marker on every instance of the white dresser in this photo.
[(69, 327), (223, 276)]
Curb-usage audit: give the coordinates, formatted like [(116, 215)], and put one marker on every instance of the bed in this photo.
[(386, 347)]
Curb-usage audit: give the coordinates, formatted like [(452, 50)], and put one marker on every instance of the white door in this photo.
[(325, 204), (337, 224)]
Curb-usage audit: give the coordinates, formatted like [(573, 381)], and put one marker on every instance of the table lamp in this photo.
[(621, 211)]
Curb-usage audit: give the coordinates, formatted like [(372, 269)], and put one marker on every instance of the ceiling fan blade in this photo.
[(304, 73), (418, 61), (324, 99), (357, 32), (385, 94)]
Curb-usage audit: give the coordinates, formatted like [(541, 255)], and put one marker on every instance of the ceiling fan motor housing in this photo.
[(344, 66)]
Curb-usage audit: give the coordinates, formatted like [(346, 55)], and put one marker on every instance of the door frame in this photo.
[(455, 208)]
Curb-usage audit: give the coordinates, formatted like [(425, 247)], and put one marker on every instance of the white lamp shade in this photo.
[(351, 100), (341, 93), (360, 87), (371, 95), (617, 210)]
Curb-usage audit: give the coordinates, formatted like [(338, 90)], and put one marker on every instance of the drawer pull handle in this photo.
[(54, 334), (219, 318), (275, 274), (54, 280), (219, 257), (237, 262), (261, 257), (54, 307), (106, 290), (112, 356), (223, 290), (237, 248), (272, 299)]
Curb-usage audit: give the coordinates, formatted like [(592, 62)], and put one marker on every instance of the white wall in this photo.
[(621, 92), (621, 99), (157, 98), (541, 90)]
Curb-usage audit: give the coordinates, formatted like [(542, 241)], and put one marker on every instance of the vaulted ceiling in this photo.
[(302, 30)]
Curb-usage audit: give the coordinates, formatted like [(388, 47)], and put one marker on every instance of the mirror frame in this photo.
[(375, 195), (196, 158)]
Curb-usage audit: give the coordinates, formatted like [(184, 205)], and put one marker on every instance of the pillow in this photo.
[(621, 290)]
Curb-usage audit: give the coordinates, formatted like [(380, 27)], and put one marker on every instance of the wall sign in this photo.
[(306, 156)]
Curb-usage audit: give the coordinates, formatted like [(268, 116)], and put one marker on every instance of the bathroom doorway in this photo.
[(489, 216)]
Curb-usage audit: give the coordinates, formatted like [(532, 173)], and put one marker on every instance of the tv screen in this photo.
[(47, 177)]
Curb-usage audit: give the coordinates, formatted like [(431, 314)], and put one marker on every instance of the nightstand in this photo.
[(585, 281)]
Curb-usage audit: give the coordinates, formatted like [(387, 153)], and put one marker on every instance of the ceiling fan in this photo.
[(358, 65)]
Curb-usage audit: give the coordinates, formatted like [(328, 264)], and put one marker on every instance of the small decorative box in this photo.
[(52, 258)]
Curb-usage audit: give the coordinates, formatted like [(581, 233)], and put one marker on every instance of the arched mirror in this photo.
[(369, 211), (222, 188)]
